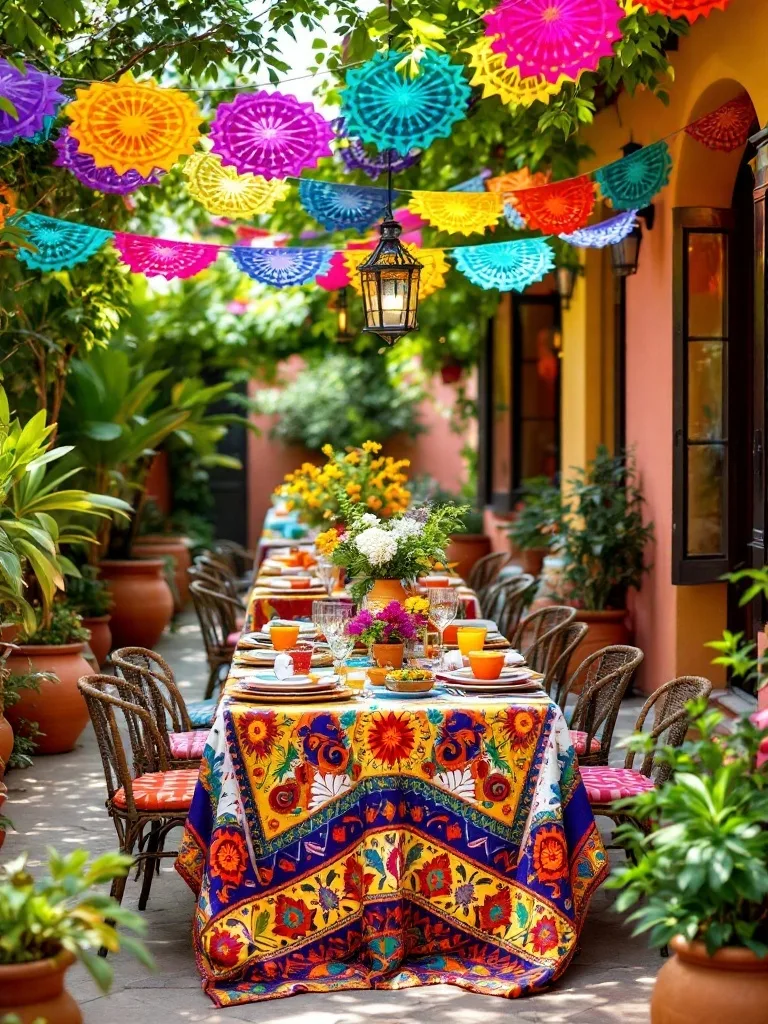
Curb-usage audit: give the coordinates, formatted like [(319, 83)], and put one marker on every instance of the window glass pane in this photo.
[(537, 323), (538, 449), (706, 484), (706, 285), (705, 390), (539, 388), (501, 475)]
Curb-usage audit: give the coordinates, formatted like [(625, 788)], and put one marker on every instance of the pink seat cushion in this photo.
[(760, 719), (579, 741), (161, 791), (234, 638), (604, 785), (188, 745)]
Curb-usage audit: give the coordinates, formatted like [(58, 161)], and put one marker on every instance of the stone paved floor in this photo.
[(59, 801)]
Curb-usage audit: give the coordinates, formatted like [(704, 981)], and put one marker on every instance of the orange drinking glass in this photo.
[(470, 638), (486, 664), (283, 637)]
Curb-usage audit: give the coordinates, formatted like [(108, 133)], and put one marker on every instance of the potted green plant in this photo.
[(537, 525), (90, 598), (46, 924), (603, 546), (54, 650), (698, 878)]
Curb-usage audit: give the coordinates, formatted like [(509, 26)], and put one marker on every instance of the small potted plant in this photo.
[(46, 924), (91, 599), (699, 877), (387, 632), (55, 652), (537, 525)]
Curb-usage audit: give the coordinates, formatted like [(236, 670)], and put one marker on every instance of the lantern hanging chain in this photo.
[(388, 213)]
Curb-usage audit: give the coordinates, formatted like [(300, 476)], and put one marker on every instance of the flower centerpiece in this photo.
[(374, 482), (387, 632), (379, 554)]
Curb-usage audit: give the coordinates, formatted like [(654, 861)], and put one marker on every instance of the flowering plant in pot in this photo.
[(46, 924), (538, 522), (698, 876), (378, 554), (365, 478), (387, 631)]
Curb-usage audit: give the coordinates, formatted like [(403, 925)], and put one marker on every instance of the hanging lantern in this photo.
[(566, 282), (625, 254), (390, 283), (340, 307)]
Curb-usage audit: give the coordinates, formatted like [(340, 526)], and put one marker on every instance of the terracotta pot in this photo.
[(35, 991), (387, 590), (142, 601), (466, 549), (388, 655), (3, 795), (694, 988), (6, 742), (101, 636), (58, 708), (156, 545), (605, 629), (532, 559)]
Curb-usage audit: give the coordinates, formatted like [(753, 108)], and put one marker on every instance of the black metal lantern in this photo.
[(340, 307), (566, 282), (626, 253), (390, 282)]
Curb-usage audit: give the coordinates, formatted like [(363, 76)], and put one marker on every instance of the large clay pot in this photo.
[(142, 601), (388, 655), (467, 548), (532, 559), (35, 991), (605, 629), (57, 707), (3, 795), (6, 742), (694, 988), (101, 636), (387, 591), (157, 545)]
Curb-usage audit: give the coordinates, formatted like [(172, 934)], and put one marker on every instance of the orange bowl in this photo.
[(486, 664), (378, 675)]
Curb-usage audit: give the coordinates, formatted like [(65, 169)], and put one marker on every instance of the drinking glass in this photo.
[(328, 573), (341, 645), (443, 608)]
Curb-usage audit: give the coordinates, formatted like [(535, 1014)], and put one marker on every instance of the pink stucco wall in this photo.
[(437, 452)]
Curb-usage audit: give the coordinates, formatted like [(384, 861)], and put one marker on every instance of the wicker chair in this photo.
[(505, 601), (670, 724), (143, 804), (216, 612), (485, 570), (534, 627), (241, 562), (152, 684), (220, 572), (567, 638), (604, 678)]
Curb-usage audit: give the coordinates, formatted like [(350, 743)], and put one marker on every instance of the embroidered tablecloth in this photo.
[(388, 844)]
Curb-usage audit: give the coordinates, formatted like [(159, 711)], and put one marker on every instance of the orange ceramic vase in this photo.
[(58, 706), (101, 636), (35, 991), (387, 590), (142, 601), (157, 545), (694, 988), (388, 655)]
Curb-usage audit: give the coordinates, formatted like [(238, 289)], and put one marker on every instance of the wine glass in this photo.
[(328, 573), (443, 608)]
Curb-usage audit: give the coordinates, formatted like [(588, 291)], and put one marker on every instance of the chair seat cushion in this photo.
[(188, 745), (604, 785), (234, 638), (579, 741), (202, 713), (161, 791)]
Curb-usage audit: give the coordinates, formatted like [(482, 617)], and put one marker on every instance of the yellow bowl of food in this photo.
[(409, 680)]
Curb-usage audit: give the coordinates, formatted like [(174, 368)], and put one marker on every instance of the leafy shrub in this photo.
[(65, 627), (87, 594)]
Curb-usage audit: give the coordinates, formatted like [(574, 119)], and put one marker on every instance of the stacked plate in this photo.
[(261, 688), (511, 680), (262, 637), (258, 657), (293, 584)]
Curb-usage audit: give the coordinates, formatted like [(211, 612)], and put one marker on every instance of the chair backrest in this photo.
[(564, 642), (485, 570), (104, 696), (218, 571), (671, 720), (216, 614), (154, 679), (604, 677), (534, 626), (214, 581), (241, 561), (505, 601)]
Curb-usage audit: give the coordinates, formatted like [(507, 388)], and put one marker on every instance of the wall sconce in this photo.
[(626, 253), (566, 282)]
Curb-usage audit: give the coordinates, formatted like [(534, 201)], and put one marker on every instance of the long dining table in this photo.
[(385, 842)]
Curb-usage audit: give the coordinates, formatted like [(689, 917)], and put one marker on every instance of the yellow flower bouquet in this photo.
[(373, 481)]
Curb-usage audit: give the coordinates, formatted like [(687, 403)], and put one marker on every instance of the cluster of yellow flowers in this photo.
[(327, 542), (417, 605), (374, 480)]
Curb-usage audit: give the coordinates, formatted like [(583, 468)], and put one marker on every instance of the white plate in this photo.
[(465, 675), (284, 583)]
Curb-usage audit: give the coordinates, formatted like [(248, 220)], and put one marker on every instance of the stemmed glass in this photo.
[(328, 573), (443, 608), (331, 618)]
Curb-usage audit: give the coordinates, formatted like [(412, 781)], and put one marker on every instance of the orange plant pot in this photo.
[(156, 545), (387, 591), (101, 636), (467, 548), (388, 655), (35, 991), (142, 601)]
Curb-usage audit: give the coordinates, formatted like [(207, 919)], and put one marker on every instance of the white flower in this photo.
[(369, 519), (378, 546), (458, 782), (406, 528), (326, 788)]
